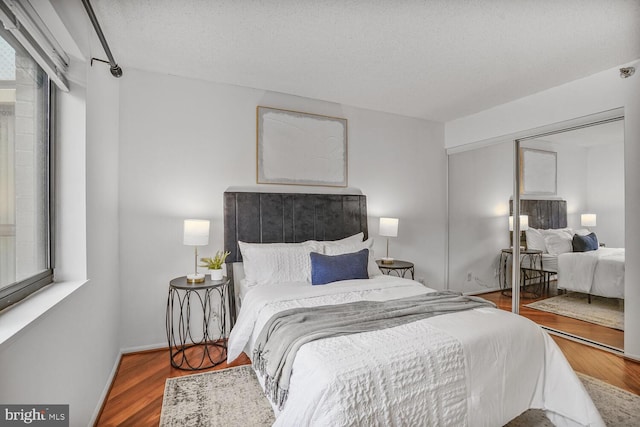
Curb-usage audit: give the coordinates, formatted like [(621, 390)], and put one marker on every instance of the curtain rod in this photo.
[(115, 69)]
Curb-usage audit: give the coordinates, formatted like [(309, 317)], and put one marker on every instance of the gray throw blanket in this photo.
[(285, 332)]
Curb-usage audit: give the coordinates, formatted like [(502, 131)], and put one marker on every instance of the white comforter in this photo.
[(479, 367), (599, 272)]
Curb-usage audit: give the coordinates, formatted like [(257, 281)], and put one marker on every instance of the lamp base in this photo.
[(387, 260), (195, 278)]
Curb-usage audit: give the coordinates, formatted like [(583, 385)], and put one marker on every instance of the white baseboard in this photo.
[(143, 348), (482, 291), (105, 391)]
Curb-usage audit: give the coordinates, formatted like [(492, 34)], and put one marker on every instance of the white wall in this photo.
[(598, 93), (480, 185), (591, 180), (572, 183), (631, 210), (184, 141), (103, 271), (605, 197), (66, 356)]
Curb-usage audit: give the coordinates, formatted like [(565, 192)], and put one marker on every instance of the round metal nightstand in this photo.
[(201, 347), (531, 268), (399, 268)]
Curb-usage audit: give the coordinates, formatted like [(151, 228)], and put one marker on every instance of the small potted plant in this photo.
[(215, 264)]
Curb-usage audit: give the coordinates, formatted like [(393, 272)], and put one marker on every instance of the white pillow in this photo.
[(535, 240), (560, 231), (271, 263), (558, 243), (346, 248), (582, 232), (536, 237), (356, 238)]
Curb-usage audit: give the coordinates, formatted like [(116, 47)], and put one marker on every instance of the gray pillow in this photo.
[(585, 243)]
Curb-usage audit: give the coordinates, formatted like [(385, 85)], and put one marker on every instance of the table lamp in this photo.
[(524, 223), (588, 220), (196, 233), (388, 228)]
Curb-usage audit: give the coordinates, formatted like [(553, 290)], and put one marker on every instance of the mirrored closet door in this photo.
[(571, 242)]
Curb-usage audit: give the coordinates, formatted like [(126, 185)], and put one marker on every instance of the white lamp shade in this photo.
[(524, 223), (196, 232), (388, 227), (588, 220)]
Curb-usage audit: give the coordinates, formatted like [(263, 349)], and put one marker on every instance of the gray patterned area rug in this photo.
[(618, 407), (233, 397), (602, 311), (226, 398)]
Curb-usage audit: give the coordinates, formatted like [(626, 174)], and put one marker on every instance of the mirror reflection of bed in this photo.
[(599, 274), (584, 284), (589, 179)]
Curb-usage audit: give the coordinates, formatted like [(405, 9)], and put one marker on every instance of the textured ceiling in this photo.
[(437, 60)]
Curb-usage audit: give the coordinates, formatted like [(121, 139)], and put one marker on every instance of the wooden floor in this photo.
[(135, 398), (608, 336)]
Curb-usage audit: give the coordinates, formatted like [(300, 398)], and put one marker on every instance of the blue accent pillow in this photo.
[(585, 243), (332, 268)]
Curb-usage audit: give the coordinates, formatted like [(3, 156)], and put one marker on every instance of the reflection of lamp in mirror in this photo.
[(388, 228), (588, 220), (196, 233), (524, 223)]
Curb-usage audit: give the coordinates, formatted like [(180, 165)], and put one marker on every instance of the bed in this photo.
[(479, 366), (599, 271)]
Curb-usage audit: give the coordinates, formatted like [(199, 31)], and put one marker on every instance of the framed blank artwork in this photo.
[(300, 148), (538, 173)]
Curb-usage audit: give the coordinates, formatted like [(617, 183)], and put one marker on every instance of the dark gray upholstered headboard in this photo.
[(543, 214), (288, 218)]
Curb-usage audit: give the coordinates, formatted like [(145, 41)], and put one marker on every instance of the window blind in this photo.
[(24, 23)]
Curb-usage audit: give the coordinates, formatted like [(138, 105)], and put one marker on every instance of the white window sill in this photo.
[(16, 318)]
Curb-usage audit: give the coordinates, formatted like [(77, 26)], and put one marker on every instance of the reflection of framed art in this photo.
[(301, 148), (538, 174)]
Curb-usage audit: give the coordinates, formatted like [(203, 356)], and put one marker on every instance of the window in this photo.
[(25, 174)]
